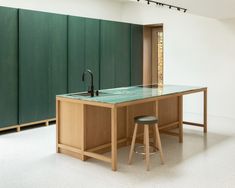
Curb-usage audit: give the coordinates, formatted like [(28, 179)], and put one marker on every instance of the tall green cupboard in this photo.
[(115, 54), (83, 51), (42, 64), (136, 54), (8, 67)]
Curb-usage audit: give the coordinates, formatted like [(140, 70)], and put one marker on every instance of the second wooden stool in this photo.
[(147, 121)]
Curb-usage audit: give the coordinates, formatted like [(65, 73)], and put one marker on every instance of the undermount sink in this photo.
[(80, 94), (150, 86), (85, 94)]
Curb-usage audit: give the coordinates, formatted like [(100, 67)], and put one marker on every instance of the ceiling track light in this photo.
[(168, 5)]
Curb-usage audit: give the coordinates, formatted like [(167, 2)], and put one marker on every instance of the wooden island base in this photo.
[(88, 129)]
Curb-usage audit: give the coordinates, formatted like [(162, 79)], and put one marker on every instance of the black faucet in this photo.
[(91, 90)]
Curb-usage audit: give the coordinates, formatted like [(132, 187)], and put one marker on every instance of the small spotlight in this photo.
[(169, 7), (148, 2), (178, 8), (185, 10)]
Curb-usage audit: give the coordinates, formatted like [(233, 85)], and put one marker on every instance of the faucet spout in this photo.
[(91, 91)]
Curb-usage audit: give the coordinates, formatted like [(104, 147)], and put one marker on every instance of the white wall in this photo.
[(198, 51), (102, 9)]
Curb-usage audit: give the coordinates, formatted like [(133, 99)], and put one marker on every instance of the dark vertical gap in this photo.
[(50, 85), (130, 71), (115, 59), (67, 17), (99, 54), (142, 70), (18, 65), (84, 53)]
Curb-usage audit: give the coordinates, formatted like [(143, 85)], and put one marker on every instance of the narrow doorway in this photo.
[(153, 54)]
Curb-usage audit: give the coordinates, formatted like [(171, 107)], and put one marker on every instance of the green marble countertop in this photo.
[(126, 94)]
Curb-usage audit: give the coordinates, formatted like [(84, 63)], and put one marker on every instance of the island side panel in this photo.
[(71, 127), (98, 127), (168, 112)]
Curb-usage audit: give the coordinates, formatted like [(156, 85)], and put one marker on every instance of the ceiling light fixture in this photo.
[(164, 4)]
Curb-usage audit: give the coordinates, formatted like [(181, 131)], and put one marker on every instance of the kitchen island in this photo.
[(89, 126)]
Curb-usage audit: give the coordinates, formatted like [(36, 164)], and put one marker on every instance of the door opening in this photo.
[(153, 54)]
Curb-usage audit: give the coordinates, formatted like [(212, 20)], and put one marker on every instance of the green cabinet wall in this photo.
[(44, 54), (136, 54), (83, 51), (8, 67), (42, 64), (115, 54)]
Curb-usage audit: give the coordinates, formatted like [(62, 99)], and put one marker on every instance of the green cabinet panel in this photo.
[(115, 54), (43, 63), (58, 73), (92, 49), (76, 53), (8, 67), (33, 69), (136, 54), (83, 51)]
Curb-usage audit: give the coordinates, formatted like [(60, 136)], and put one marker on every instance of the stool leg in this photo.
[(144, 142), (146, 134), (132, 144), (154, 137), (158, 140)]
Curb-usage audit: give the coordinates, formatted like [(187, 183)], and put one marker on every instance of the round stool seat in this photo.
[(146, 120)]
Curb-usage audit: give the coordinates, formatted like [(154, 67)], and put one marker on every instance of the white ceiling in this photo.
[(219, 9)]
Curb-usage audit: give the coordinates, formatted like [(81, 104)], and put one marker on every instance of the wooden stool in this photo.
[(146, 121)]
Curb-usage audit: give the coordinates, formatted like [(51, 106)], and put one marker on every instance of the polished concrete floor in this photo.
[(28, 160)]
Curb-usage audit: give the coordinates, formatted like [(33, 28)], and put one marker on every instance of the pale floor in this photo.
[(28, 160)]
